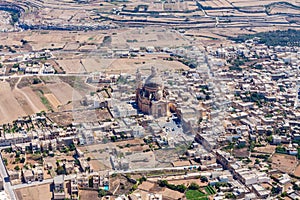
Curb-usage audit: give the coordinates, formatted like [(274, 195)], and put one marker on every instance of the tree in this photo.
[(194, 186), (284, 194), (16, 65), (60, 170), (88, 159), (134, 187), (204, 179), (102, 193), (91, 182), (72, 147), (230, 196), (18, 153), (113, 138), (296, 187), (22, 160), (141, 180), (181, 188), (5, 161), (17, 168), (36, 81), (163, 183), (269, 139)]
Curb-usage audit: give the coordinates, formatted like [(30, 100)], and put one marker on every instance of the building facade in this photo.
[(151, 95)]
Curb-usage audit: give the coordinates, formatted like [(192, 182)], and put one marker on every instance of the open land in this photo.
[(35, 192)]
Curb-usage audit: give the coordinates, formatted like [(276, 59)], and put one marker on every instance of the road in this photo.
[(36, 183), (154, 169), (71, 176), (43, 75), (6, 183)]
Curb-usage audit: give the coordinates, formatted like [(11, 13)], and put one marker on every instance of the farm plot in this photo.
[(53, 100), (209, 190), (10, 109), (63, 92), (195, 195)]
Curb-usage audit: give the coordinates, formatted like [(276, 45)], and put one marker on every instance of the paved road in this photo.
[(31, 75), (71, 176), (36, 183), (154, 169), (6, 183)]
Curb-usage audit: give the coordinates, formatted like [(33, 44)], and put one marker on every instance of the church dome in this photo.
[(154, 80)]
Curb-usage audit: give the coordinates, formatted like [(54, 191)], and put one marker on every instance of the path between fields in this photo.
[(32, 105)]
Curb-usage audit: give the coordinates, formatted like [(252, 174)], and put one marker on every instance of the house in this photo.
[(69, 167), (74, 188), (84, 164), (38, 174), (28, 176), (59, 189), (13, 175), (83, 180)]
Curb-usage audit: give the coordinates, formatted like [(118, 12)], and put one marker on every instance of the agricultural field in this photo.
[(210, 190), (20, 97), (53, 100), (10, 108), (195, 195)]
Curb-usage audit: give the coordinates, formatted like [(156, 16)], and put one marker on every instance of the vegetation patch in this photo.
[(195, 195), (210, 190), (289, 37)]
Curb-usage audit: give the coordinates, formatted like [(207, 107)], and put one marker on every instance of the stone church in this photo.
[(151, 95)]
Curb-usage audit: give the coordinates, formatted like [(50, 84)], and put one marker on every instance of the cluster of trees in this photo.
[(288, 37), (180, 188), (14, 17), (102, 193)]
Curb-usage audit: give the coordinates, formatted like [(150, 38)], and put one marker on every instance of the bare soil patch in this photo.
[(10, 109), (284, 163), (34, 192)]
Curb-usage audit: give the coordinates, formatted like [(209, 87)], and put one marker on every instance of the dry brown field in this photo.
[(297, 171), (71, 65), (187, 182), (136, 141), (171, 194), (269, 149), (284, 163), (38, 105), (146, 185), (63, 92), (181, 163), (34, 193), (88, 195), (245, 3), (125, 65), (10, 109), (117, 65)]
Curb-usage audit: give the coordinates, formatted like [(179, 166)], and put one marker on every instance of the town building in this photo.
[(151, 96)]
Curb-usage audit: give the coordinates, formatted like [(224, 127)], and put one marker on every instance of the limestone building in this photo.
[(151, 95)]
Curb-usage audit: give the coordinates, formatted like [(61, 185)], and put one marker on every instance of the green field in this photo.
[(195, 195), (210, 190)]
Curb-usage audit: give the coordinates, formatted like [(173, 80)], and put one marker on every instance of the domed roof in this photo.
[(154, 80)]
